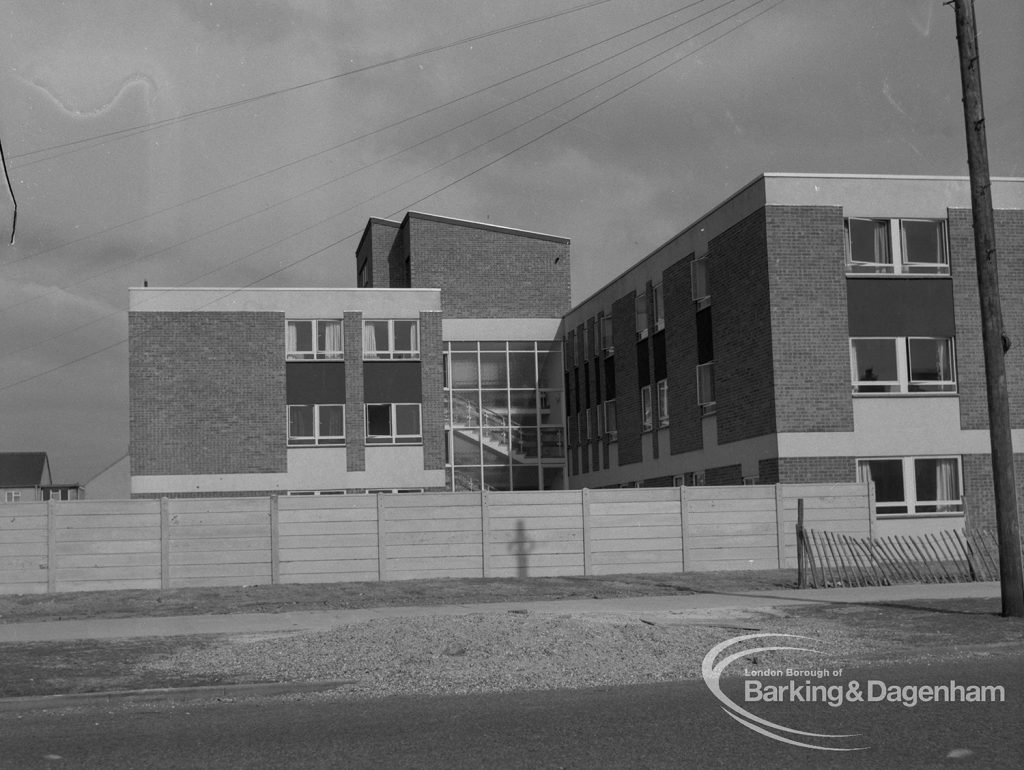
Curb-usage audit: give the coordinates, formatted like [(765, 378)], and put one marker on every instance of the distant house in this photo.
[(25, 477)]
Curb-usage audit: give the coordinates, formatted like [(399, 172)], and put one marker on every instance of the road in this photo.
[(651, 726)]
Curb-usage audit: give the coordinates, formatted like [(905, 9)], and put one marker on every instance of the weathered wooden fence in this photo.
[(99, 545), (829, 559)]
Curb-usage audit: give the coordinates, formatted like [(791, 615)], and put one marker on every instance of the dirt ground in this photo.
[(346, 596), (868, 633)]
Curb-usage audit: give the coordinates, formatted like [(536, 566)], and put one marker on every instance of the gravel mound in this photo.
[(495, 652)]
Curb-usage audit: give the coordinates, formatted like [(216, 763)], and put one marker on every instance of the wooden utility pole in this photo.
[(1011, 576)]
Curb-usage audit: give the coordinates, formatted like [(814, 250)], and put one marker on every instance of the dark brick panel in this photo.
[(726, 475), (969, 352), (628, 411), (808, 321), (355, 434), (742, 330), (432, 367), (681, 359), (483, 273), (207, 393)]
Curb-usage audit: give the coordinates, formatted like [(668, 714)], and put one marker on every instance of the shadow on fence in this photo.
[(830, 559)]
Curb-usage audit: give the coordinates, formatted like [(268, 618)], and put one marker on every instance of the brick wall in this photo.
[(725, 475), (969, 352), (355, 432), (810, 336), (979, 489), (768, 471), (742, 330), (628, 412), (816, 470), (484, 273), (432, 358), (681, 358), (207, 393)]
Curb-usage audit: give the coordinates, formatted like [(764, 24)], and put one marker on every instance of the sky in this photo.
[(238, 143)]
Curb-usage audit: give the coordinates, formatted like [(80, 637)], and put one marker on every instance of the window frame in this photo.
[(904, 383), (316, 440), (658, 303), (316, 353), (707, 406), (393, 438), (662, 387), (12, 495), (640, 319), (611, 426), (607, 340), (646, 409), (391, 353), (896, 249), (911, 501), (700, 290)]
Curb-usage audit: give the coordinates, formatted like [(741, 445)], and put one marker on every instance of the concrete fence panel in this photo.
[(101, 545), (93, 545), (534, 534), (24, 548), (424, 537), (636, 530), (219, 541), (327, 539)]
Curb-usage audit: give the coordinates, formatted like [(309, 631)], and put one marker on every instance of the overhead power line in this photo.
[(379, 130), (124, 263), (477, 170), (143, 127)]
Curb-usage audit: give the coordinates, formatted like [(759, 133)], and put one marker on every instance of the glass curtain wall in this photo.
[(504, 427)]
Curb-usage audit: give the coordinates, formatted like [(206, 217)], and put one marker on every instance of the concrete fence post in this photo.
[(382, 536), (51, 547), (275, 552), (588, 550), (165, 543), (684, 529), (485, 534), (780, 525)]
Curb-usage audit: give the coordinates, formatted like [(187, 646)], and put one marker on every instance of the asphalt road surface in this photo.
[(668, 725)]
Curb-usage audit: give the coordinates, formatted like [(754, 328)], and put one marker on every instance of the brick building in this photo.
[(441, 370), (811, 328)]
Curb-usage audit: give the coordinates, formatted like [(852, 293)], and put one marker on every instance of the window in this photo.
[(586, 343), (641, 316), (914, 485), (606, 335), (310, 340), (699, 289), (896, 246), (391, 339), (589, 430), (363, 279), (316, 425), (689, 479), (393, 424), (313, 492), (658, 300), (902, 365), (610, 424), (12, 496), (662, 403), (706, 387), (645, 407)]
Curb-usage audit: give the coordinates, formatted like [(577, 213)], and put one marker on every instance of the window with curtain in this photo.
[(914, 485), (316, 424), (314, 339), (902, 365), (706, 387), (896, 246), (868, 246), (645, 407), (662, 403), (391, 339)]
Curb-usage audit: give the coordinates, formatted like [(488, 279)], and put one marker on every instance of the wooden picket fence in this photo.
[(832, 559)]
